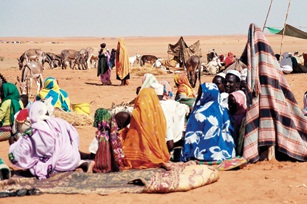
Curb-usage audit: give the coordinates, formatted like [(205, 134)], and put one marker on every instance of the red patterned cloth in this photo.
[(273, 116)]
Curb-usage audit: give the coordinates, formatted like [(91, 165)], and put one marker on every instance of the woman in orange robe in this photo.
[(144, 144), (122, 63)]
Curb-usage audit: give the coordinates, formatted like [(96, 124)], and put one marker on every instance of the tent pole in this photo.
[(283, 33), (267, 15)]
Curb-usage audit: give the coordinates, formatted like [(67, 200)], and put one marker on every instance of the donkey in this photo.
[(31, 55), (193, 69), (32, 70)]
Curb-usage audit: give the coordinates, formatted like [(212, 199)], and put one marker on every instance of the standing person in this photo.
[(208, 135), (10, 105), (50, 145), (122, 63), (104, 71)]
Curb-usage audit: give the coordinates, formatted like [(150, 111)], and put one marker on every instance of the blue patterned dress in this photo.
[(208, 135)]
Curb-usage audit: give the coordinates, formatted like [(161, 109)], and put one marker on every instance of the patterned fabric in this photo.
[(145, 145), (109, 156), (75, 182), (208, 135), (181, 177), (103, 70), (50, 145), (60, 98), (273, 117), (10, 92), (122, 60), (183, 85), (232, 163)]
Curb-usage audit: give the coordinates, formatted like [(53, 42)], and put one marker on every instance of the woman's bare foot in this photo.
[(90, 167)]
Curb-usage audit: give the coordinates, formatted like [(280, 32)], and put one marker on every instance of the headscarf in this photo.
[(273, 117), (122, 60), (147, 80), (168, 91), (145, 143), (51, 88), (241, 107), (208, 135), (184, 86), (229, 59), (10, 92)]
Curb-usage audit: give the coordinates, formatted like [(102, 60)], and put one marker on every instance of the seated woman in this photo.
[(10, 105), (60, 98), (144, 144), (50, 145), (208, 135), (106, 147), (185, 93), (237, 108)]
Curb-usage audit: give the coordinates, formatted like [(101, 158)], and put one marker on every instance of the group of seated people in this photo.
[(291, 63), (205, 126)]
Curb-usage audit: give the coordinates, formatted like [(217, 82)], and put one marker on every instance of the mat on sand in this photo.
[(173, 177)]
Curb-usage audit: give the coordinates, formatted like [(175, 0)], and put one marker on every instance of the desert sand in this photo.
[(263, 182)]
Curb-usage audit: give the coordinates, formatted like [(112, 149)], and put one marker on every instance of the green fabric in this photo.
[(273, 30), (100, 115), (5, 172), (188, 101), (289, 31), (10, 92)]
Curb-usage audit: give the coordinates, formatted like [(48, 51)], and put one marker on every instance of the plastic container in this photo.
[(81, 108)]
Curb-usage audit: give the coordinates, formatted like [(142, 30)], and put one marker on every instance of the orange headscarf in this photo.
[(145, 142), (122, 59), (184, 86)]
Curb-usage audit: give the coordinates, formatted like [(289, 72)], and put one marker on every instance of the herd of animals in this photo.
[(31, 63)]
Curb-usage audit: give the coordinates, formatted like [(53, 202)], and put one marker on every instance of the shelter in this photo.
[(289, 31), (183, 51)]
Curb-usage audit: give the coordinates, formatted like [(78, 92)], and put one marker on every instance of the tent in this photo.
[(289, 31), (183, 51)]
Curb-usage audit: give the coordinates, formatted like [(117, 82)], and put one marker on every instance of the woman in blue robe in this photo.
[(208, 135)]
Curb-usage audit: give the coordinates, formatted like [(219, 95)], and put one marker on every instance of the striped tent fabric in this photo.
[(273, 117)]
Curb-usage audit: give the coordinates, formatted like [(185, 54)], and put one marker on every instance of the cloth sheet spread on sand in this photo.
[(173, 177)]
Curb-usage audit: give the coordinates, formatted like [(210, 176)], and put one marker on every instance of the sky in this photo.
[(125, 18)]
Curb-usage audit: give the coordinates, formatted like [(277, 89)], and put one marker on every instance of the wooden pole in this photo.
[(267, 15), (283, 33)]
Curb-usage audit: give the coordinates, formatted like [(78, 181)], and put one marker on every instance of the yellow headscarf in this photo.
[(184, 86)]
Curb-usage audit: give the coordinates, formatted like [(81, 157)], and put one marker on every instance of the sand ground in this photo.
[(263, 182)]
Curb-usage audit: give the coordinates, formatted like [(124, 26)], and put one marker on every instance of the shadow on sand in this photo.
[(99, 84)]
